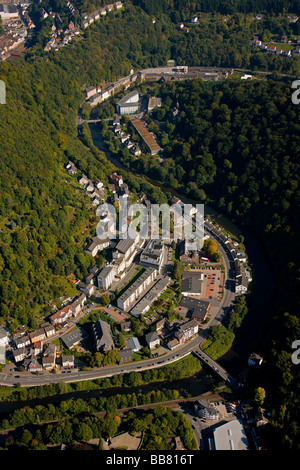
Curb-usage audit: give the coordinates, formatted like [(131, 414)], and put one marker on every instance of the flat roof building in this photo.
[(129, 104), (191, 283), (199, 308), (148, 139), (230, 436), (136, 289), (153, 294)]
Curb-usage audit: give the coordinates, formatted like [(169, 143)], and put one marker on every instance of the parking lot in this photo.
[(203, 427)]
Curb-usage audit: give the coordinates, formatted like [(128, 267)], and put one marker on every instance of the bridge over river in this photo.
[(206, 359)]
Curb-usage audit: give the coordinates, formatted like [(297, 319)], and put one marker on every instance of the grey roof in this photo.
[(136, 284), (125, 244), (73, 337), (198, 306), (231, 436), (134, 343), (191, 282), (102, 335), (152, 336), (151, 296), (124, 101)]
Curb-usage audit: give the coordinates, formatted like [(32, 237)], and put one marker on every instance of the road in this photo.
[(29, 379)]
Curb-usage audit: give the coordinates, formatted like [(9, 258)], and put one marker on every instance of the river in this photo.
[(249, 336)]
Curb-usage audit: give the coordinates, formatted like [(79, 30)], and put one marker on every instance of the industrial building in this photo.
[(148, 139), (129, 104)]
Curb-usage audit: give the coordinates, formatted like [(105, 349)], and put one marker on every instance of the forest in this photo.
[(217, 6), (77, 424), (234, 145)]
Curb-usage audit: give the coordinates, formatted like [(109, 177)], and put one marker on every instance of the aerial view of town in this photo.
[(149, 201)]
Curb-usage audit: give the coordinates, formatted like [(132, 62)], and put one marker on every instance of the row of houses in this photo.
[(242, 272), (96, 15), (70, 310), (121, 84), (270, 48), (125, 138), (94, 189), (27, 358)]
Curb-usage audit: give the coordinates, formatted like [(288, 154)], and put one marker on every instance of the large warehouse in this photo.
[(129, 104)]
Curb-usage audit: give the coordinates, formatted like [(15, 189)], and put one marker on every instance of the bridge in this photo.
[(206, 359)]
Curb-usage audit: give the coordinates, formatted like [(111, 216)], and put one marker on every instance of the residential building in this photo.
[(19, 354), (152, 255), (97, 244), (126, 300), (102, 336), (173, 344), (125, 326), (21, 340), (83, 180), (125, 355), (67, 361), (152, 339), (118, 5), (255, 359), (134, 344), (78, 304), (49, 330), (186, 331), (88, 289), (206, 410), (151, 296), (31, 364), (106, 277), (3, 337), (71, 168), (49, 357), (187, 256), (61, 315), (115, 179), (37, 335)]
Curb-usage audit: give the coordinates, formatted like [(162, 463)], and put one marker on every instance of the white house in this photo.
[(3, 337), (106, 277), (134, 344), (152, 339)]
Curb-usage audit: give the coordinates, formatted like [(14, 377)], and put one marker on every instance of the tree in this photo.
[(259, 396), (83, 432), (121, 340)]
